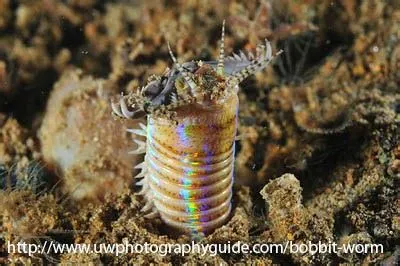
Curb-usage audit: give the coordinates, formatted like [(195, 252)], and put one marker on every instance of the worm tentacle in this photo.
[(220, 65), (183, 72), (256, 65)]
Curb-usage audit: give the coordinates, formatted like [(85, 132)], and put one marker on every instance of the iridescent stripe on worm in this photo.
[(192, 116)]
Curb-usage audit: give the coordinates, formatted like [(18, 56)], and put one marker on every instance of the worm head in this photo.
[(205, 83), (214, 82)]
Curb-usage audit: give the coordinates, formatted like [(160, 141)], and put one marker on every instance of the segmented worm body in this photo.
[(192, 112)]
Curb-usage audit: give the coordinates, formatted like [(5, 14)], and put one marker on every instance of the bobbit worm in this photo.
[(192, 116)]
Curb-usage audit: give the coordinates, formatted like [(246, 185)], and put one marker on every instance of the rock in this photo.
[(81, 139)]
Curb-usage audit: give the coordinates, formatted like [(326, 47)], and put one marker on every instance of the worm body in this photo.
[(190, 165), (192, 113)]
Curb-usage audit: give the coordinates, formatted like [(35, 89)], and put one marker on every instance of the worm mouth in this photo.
[(169, 92), (208, 84)]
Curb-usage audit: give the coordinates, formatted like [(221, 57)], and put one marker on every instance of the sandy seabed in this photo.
[(319, 153)]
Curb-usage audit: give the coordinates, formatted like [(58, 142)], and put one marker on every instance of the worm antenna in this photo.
[(256, 65), (124, 108), (220, 66), (121, 110), (116, 109), (184, 73)]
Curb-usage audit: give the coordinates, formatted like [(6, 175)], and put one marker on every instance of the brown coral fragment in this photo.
[(29, 218), (291, 221), (12, 141), (283, 196), (28, 215), (16, 146)]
